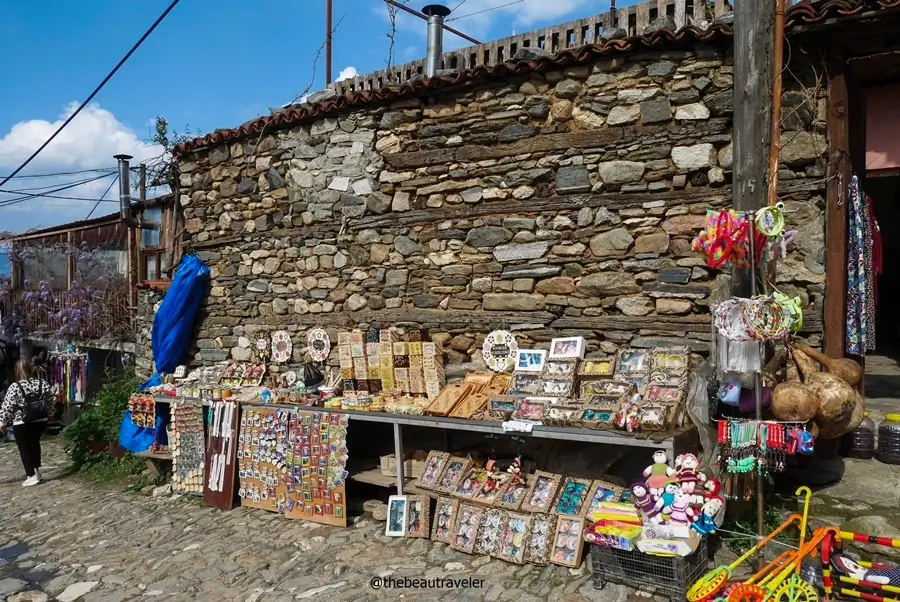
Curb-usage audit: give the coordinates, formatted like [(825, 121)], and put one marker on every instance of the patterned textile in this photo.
[(860, 273)]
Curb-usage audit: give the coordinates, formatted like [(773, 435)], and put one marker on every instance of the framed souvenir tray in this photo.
[(527, 383), (493, 391), (470, 483), (630, 362), (455, 469), (560, 369), (654, 417), (444, 403), (674, 361), (600, 415), (514, 536), (601, 491), (639, 382), (617, 389), (530, 409), (469, 405), (492, 488), (445, 512), (514, 494), (572, 496), (504, 404), (541, 492), (434, 468), (665, 393), (561, 416), (597, 368), (531, 360), (556, 388), (568, 543), (468, 519), (489, 415), (489, 531), (541, 529), (418, 515)]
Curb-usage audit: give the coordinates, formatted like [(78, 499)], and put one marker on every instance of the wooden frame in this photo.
[(469, 484), (489, 532), (568, 488), (445, 513), (612, 493), (513, 494), (541, 531), (466, 529), (418, 516), (498, 482), (435, 464), (568, 542), (514, 538), (454, 471), (541, 492)]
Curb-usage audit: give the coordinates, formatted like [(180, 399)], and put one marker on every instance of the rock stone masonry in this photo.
[(545, 202)]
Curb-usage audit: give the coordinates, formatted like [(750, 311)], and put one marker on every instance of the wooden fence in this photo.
[(633, 19), (104, 316)]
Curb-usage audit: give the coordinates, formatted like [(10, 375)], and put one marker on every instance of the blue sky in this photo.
[(211, 64)]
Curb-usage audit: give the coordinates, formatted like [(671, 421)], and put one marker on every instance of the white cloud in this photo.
[(347, 73), (88, 142)]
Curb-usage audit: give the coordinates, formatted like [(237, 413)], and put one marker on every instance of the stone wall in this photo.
[(555, 203)]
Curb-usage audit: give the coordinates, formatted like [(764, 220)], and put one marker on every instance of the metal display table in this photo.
[(398, 421)]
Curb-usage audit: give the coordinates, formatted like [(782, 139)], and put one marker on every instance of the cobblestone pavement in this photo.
[(67, 540)]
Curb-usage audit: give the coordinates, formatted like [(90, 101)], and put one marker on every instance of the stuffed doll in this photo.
[(642, 499), (680, 511), (688, 474), (705, 522), (658, 474), (666, 500), (882, 576)]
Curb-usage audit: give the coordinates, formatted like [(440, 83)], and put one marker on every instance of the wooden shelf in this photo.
[(374, 477), (163, 456)]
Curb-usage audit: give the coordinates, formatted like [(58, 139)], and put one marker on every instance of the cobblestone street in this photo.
[(68, 540)]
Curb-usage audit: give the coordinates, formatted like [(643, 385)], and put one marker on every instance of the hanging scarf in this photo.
[(860, 274)]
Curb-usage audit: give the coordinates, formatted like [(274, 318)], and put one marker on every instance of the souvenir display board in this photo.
[(221, 449), (316, 483), (377, 362), (187, 445), (263, 458), (69, 373), (143, 410)]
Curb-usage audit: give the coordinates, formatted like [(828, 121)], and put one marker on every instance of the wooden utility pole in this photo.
[(328, 28), (753, 53)]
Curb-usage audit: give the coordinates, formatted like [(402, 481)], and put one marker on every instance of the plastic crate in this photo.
[(670, 577)]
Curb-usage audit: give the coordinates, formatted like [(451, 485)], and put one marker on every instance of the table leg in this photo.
[(398, 456)]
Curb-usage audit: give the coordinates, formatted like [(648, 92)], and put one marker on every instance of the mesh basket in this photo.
[(663, 576)]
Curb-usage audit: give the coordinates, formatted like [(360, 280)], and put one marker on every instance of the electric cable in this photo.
[(100, 200), (94, 93), (59, 173), (14, 201)]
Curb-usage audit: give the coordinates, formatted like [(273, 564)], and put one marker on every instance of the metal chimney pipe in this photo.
[(124, 186), (435, 14)]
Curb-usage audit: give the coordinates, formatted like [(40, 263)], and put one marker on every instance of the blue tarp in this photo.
[(173, 327)]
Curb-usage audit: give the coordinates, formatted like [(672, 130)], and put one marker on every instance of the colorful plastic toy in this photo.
[(865, 588)]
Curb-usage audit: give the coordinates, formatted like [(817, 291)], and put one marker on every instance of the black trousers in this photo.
[(28, 439)]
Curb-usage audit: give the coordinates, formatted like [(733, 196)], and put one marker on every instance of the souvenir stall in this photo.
[(68, 373)]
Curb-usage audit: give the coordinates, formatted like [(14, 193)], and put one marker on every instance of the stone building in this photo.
[(553, 196)]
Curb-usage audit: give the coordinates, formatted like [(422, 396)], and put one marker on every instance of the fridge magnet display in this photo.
[(396, 516), (513, 538), (632, 362), (500, 350), (467, 521), (568, 542), (281, 347), (470, 483), (444, 527), (456, 469), (187, 447), (572, 496), (262, 351), (601, 491), (531, 360), (418, 508), (567, 348), (598, 368), (263, 452), (319, 344), (540, 538), (489, 531), (541, 492), (434, 467)]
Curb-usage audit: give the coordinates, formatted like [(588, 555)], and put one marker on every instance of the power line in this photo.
[(60, 173), (487, 10), (100, 200), (21, 199), (94, 93), (44, 187)]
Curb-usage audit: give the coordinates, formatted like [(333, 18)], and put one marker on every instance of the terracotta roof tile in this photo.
[(806, 12)]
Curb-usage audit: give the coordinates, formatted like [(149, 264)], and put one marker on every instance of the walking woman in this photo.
[(26, 408)]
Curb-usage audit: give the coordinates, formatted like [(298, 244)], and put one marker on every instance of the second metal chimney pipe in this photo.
[(435, 14), (124, 186)]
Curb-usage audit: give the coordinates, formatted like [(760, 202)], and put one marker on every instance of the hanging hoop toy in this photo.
[(770, 221), (793, 307), (767, 319)]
